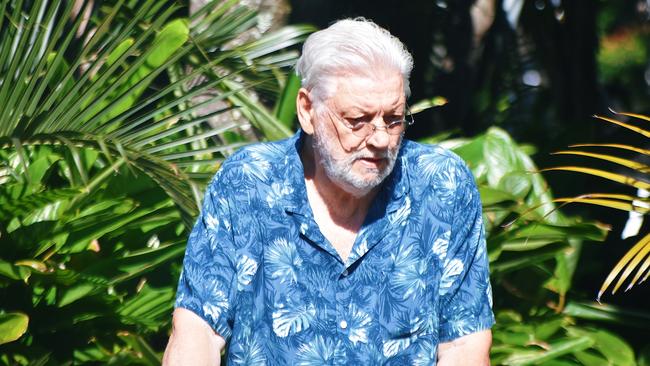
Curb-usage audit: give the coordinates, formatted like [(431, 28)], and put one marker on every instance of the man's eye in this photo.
[(392, 120), (362, 119)]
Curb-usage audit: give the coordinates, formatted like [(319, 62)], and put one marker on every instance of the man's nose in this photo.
[(380, 138)]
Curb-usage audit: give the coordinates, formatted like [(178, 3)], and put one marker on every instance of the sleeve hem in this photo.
[(454, 330), (219, 325)]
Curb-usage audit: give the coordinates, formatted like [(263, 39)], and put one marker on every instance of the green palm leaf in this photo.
[(92, 99), (104, 151)]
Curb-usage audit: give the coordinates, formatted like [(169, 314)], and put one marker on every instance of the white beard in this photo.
[(340, 171)]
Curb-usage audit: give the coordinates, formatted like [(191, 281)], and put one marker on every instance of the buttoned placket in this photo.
[(372, 232), (342, 304)]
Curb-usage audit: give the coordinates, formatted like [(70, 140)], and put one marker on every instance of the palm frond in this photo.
[(56, 91), (627, 264), (637, 257)]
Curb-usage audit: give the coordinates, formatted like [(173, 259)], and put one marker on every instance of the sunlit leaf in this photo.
[(627, 264), (12, 326)]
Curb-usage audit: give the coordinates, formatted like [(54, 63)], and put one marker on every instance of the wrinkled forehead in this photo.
[(367, 88)]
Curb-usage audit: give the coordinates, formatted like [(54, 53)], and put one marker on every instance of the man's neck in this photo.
[(345, 209)]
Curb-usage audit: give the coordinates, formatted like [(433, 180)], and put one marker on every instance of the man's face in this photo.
[(359, 164)]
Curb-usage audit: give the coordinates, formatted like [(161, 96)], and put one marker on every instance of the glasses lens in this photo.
[(396, 128), (362, 129)]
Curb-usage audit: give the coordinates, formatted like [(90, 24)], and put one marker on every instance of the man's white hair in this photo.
[(350, 45)]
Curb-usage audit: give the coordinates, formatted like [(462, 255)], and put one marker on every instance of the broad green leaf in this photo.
[(75, 292), (590, 358), (608, 314), (532, 257), (119, 51), (12, 326), (555, 350), (585, 231), (508, 316), (472, 152), (517, 183), (501, 155), (615, 350), (491, 196), (566, 264), (13, 272), (285, 107), (546, 329)]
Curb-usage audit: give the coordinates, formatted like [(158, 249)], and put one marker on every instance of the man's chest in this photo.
[(381, 305), (296, 292), (392, 272)]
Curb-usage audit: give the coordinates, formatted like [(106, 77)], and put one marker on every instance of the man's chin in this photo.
[(361, 186)]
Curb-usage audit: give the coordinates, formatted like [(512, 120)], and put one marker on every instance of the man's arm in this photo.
[(192, 342), (472, 349)]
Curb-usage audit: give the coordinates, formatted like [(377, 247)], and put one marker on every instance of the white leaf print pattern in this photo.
[(259, 164), (440, 245), (212, 222), (251, 354), (290, 319), (216, 306), (320, 351), (410, 280), (409, 277), (427, 352), (430, 164), (283, 260), (394, 346), (246, 269), (277, 193), (445, 186), (452, 269), (402, 213), (358, 325)]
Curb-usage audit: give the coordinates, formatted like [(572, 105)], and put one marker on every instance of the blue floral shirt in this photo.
[(259, 271)]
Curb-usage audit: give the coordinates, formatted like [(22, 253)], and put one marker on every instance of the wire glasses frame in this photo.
[(366, 129)]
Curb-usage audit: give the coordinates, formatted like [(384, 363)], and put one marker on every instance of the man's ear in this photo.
[(305, 111)]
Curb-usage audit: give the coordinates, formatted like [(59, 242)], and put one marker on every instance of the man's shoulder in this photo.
[(257, 162), (259, 152), (427, 161)]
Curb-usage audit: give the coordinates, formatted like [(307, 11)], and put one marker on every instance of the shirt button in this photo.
[(345, 273), (343, 324)]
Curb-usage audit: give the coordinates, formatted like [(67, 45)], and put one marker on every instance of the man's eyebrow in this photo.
[(395, 109)]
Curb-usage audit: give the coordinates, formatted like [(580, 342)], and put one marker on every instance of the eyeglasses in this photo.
[(365, 129)]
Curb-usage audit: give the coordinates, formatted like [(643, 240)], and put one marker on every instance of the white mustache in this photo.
[(362, 155)]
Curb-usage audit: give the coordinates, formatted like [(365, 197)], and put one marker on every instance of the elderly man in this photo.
[(343, 245)]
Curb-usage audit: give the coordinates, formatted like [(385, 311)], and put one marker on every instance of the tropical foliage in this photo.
[(534, 252), (104, 153), (105, 148), (634, 174)]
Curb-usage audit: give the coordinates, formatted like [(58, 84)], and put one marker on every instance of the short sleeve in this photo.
[(206, 283), (465, 291)]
